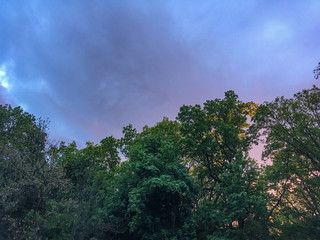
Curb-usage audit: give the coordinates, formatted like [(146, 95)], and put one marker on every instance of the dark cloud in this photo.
[(95, 66)]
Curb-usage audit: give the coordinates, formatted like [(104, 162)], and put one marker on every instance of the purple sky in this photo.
[(92, 67)]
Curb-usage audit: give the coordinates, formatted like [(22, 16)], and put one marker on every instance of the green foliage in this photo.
[(29, 184), (185, 179), (291, 127), (154, 194), (129, 134), (215, 142), (213, 135), (90, 171)]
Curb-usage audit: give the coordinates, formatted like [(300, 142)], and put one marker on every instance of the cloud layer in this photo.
[(92, 67)]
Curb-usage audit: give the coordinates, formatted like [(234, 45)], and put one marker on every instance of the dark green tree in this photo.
[(31, 184), (154, 195), (90, 171)]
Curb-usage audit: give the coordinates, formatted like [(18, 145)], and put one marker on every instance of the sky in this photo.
[(93, 67)]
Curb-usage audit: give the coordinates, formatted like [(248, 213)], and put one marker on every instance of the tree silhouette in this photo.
[(316, 71)]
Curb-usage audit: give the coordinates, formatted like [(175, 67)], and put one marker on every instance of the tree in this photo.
[(292, 130), (212, 136), (215, 143), (30, 185), (153, 193), (316, 71), (90, 171)]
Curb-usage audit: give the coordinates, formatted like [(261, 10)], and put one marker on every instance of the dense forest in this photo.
[(191, 178)]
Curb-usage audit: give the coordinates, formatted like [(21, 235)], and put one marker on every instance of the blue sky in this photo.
[(92, 67)]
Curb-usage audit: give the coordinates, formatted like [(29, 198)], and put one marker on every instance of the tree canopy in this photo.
[(292, 131), (189, 178)]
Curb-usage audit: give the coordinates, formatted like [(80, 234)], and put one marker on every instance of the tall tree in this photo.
[(213, 135), (292, 131), (215, 143)]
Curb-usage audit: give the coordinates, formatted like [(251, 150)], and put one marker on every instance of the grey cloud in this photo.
[(93, 67), (101, 64)]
